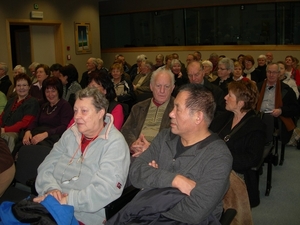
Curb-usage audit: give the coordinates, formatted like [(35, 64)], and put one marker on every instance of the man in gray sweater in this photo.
[(189, 158)]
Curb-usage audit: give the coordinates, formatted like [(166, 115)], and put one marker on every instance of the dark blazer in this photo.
[(246, 147), (223, 85), (256, 76), (145, 86), (134, 124), (218, 95)]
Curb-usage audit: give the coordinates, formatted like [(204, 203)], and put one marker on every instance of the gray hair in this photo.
[(207, 63), (148, 64), (99, 100), (4, 66), (99, 61), (200, 99), (162, 70), (262, 57), (33, 65), (94, 61), (271, 64), (19, 68), (141, 58), (228, 63), (175, 61), (160, 56)]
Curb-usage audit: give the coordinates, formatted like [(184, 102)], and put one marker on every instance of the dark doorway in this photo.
[(20, 45)]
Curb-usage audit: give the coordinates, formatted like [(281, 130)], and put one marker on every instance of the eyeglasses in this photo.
[(74, 178), (272, 72)]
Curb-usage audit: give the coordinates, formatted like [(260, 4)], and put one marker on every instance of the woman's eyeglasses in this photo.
[(74, 178)]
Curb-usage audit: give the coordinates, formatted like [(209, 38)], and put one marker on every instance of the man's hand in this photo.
[(276, 112), (153, 164), (139, 146), (185, 185)]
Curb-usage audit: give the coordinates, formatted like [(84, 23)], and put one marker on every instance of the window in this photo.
[(259, 24)]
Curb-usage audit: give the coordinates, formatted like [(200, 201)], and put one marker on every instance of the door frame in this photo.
[(58, 37)]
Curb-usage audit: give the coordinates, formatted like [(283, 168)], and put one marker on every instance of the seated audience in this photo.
[(52, 119), (286, 78), (250, 71), (208, 66), (214, 58), (91, 65), (159, 59), (11, 90), (3, 101), (269, 56), (55, 69), (32, 68), (225, 69), (278, 99), (126, 65), (190, 58), (291, 71), (7, 167), (262, 66), (104, 84), (101, 66), (188, 161), (141, 83), (240, 58), (4, 78), (19, 111), (168, 60), (237, 71), (150, 116), (196, 76), (69, 78), (136, 68), (42, 71), (247, 143), (87, 168), (198, 55), (123, 87), (181, 77)]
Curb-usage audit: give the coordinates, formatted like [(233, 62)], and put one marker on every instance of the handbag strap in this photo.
[(235, 129)]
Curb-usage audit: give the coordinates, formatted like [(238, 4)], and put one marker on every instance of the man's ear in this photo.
[(199, 117)]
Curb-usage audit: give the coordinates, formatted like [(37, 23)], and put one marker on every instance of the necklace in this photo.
[(51, 110)]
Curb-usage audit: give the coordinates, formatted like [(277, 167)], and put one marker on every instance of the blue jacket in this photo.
[(63, 214)]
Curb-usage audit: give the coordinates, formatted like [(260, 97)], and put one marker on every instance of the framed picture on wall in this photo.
[(83, 38)]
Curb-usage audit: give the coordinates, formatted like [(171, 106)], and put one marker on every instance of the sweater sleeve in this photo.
[(26, 120)]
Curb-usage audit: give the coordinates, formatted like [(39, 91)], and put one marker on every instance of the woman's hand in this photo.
[(38, 138), (62, 198), (27, 138)]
